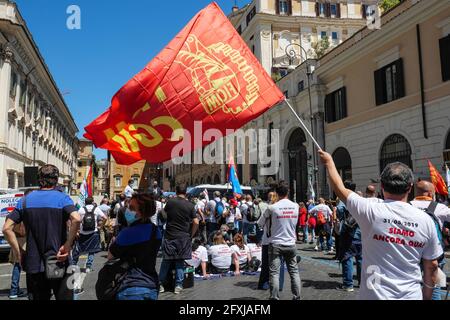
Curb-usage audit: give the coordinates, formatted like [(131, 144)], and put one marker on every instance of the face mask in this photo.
[(130, 216)]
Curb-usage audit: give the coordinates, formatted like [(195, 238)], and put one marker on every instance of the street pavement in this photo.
[(320, 277)]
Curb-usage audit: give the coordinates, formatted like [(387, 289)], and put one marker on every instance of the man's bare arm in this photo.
[(195, 224), (430, 274), (335, 179), (8, 232)]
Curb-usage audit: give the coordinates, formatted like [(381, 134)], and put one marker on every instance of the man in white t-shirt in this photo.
[(249, 227), (284, 217), (396, 237), (88, 241), (323, 229), (425, 201)]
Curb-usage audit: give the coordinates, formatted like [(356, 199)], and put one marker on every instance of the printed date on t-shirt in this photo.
[(401, 223)]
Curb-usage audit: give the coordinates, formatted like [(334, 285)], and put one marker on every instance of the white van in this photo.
[(7, 204)]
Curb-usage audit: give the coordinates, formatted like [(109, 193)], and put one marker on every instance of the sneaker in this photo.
[(88, 270), (161, 289), (21, 294), (178, 290), (316, 248), (345, 289)]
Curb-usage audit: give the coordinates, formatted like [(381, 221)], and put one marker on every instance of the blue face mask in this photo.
[(130, 216)]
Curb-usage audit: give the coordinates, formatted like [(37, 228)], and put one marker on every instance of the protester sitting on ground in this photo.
[(199, 259), (139, 245), (396, 237), (241, 254), (221, 255)]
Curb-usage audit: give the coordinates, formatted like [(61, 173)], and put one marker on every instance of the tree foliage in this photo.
[(386, 5)]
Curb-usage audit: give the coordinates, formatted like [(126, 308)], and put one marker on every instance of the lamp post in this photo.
[(291, 53)]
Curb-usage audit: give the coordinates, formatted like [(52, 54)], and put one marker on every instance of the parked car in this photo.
[(7, 204)]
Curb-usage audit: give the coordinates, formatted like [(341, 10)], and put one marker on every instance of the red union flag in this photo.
[(206, 73), (437, 180)]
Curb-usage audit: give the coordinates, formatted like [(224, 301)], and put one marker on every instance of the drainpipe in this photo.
[(422, 89)]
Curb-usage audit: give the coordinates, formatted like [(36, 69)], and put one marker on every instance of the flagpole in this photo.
[(303, 124)]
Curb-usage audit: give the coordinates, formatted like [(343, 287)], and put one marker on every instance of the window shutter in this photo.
[(444, 46), (289, 7), (277, 6), (364, 11), (344, 102), (400, 79), (328, 10), (317, 9), (379, 84), (328, 108), (338, 6)]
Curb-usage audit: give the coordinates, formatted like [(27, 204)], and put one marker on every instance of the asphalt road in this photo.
[(319, 273)]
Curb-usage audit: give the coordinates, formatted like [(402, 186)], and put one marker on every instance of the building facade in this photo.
[(142, 173), (36, 126), (85, 160), (102, 178), (381, 96)]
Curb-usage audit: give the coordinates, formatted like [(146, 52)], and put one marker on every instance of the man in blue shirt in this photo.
[(45, 214)]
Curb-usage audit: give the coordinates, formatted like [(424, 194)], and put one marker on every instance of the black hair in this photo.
[(282, 189), (181, 189), (146, 203), (89, 200), (350, 185), (397, 178), (196, 243), (48, 176)]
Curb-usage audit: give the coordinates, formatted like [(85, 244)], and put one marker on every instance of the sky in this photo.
[(116, 40)]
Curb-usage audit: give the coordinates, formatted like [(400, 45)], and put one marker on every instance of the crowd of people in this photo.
[(398, 245)]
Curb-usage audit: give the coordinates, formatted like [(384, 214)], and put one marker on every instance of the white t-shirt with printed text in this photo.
[(442, 212), (198, 256), (324, 209), (242, 254), (220, 256), (395, 237), (255, 251)]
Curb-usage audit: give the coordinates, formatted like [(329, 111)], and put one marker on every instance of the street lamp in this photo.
[(291, 53)]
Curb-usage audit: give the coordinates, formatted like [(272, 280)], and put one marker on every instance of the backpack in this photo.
[(113, 273), (321, 219), (349, 223), (430, 211), (89, 219), (219, 209), (253, 213)]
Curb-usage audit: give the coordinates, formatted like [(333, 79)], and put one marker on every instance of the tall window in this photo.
[(284, 7), (336, 105), (389, 83), (23, 93), (301, 86), (11, 180), (444, 45), (343, 163), (335, 37), (395, 149), (251, 15), (13, 87), (322, 9), (118, 181), (135, 179), (323, 35), (254, 172), (334, 10)]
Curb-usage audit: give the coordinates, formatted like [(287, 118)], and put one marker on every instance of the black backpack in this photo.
[(253, 213), (350, 224), (89, 219)]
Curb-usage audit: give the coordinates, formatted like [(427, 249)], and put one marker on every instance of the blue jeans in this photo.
[(347, 271), (437, 292), (179, 269), (313, 233), (15, 280), (249, 228), (138, 293), (305, 234), (238, 226)]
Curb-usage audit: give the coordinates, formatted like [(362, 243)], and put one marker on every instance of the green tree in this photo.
[(320, 48), (386, 5)]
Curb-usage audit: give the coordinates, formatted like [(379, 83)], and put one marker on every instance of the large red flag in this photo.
[(437, 180), (206, 73)]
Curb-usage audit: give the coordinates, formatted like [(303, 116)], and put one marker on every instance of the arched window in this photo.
[(209, 180), (395, 149), (343, 163), (216, 179)]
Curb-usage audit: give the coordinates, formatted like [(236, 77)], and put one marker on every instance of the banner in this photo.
[(207, 75), (437, 180)]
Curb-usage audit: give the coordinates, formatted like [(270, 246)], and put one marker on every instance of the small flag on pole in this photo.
[(233, 178), (437, 180)]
